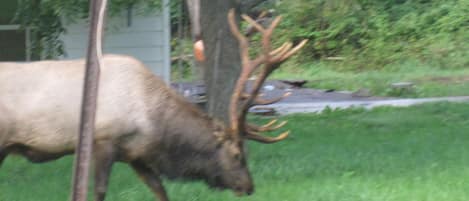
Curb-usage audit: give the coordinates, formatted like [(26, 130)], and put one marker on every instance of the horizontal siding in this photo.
[(142, 54), (118, 40), (156, 66), (120, 23), (144, 40)]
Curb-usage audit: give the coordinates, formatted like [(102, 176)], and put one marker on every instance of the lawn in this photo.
[(387, 154), (429, 81)]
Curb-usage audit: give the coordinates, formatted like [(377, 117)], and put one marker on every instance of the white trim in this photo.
[(9, 27), (167, 45)]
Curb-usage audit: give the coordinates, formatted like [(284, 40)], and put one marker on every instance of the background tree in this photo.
[(222, 65)]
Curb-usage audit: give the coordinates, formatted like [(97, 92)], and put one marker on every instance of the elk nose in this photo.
[(250, 190)]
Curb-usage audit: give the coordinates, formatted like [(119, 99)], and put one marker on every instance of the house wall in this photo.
[(144, 37)]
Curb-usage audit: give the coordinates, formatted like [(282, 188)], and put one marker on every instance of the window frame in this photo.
[(27, 31)]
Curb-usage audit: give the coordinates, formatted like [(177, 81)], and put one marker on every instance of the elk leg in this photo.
[(151, 179), (3, 155), (103, 160)]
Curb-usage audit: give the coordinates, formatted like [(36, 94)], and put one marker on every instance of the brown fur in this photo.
[(139, 121)]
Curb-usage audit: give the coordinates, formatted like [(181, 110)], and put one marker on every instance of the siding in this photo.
[(146, 38)]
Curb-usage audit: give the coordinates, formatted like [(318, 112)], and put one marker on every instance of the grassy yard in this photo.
[(387, 154), (428, 81)]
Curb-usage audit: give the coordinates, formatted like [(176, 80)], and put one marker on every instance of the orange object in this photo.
[(199, 51)]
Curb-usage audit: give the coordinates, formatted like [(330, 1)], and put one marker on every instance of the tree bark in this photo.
[(247, 5), (89, 101), (222, 65)]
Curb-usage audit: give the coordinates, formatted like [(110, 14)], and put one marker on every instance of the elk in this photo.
[(140, 121)]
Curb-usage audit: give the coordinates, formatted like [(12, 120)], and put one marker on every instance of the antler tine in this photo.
[(239, 87), (274, 24), (280, 49), (253, 23), (263, 14), (277, 57), (243, 41), (267, 127), (270, 123), (265, 139), (296, 48), (260, 101), (246, 95), (282, 56), (237, 117)]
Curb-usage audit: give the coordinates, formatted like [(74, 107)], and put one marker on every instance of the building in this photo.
[(146, 37)]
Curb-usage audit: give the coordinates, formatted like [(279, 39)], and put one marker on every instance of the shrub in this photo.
[(374, 34)]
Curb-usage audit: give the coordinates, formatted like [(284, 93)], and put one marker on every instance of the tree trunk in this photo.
[(222, 65)]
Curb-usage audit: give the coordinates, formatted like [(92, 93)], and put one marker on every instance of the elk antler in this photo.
[(266, 63)]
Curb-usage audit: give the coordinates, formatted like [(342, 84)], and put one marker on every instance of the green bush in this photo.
[(374, 34)]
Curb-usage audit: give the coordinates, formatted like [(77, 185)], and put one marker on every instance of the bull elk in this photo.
[(140, 121)]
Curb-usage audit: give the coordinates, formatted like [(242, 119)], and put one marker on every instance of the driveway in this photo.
[(304, 100), (318, 106)]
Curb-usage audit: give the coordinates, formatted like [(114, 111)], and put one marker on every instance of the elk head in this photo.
[(237, 175)]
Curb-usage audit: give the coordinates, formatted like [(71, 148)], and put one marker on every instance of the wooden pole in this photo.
[(89, 101)]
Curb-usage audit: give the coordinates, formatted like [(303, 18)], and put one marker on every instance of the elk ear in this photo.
[(235, 151), (220, 131), (220, 135)]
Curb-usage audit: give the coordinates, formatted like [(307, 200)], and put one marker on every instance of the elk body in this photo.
[(140, 121)]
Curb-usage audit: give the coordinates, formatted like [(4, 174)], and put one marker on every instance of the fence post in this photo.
[(89, 101)]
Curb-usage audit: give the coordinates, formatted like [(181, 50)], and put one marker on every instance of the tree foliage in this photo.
[(372, 34)]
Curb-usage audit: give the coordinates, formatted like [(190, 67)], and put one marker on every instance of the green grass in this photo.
[(429, 81), (387, 154)]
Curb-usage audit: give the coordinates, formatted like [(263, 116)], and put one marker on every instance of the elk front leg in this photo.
[(151, 179), (4, 130), (104, 157), (3, 155), (4, 150)]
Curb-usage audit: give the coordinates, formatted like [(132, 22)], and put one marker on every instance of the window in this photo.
[(13, 43)]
